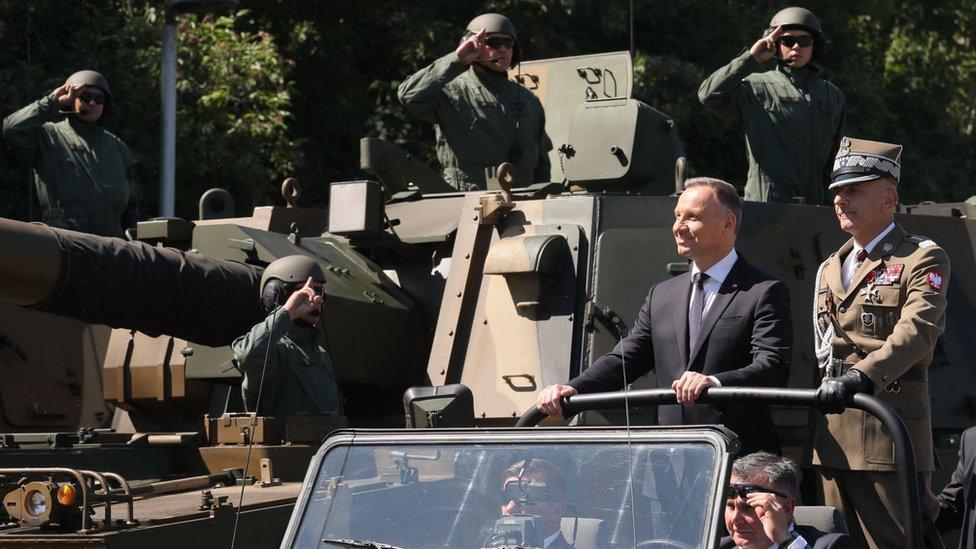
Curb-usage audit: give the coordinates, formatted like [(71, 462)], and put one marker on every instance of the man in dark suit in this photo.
[(957, 502), (759, 508), (725, 323)]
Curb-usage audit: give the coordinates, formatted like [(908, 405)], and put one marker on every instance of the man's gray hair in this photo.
[(725, 192), (780, 472)]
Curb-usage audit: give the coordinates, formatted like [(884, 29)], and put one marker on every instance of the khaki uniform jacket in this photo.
[(298, 376), (481, 121), (895, 311), (792, 120), (84, 174)]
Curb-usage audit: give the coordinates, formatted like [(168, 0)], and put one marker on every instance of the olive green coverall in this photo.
[(299, 375), (481, 121), (792, 120), (82, 172)]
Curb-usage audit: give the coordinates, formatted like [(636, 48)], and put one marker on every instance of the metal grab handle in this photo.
[(904, 450), (530, 386)]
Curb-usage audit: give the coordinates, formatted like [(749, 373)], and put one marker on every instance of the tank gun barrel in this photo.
[(125, 284), (31, 262)]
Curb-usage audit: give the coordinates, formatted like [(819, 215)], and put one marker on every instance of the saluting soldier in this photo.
[(297, 372), (482, 118), (84, 174), (791, 115), (880, 306)]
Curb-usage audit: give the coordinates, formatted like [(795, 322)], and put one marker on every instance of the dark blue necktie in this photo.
[(696, 308)]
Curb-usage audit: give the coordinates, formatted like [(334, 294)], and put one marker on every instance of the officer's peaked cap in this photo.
[(861, 160)]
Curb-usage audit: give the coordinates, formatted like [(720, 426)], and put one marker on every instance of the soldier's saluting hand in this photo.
[(306, 303), (473, 48), (765, 48)]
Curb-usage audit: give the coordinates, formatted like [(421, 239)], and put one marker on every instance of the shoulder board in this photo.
[(921, 241)]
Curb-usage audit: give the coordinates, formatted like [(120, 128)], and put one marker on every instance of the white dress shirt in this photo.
[(717, 274), (848, 270)]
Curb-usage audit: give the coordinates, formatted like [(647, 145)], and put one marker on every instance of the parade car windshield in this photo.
[(593, 487)]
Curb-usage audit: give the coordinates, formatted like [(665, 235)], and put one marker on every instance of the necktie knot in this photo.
[(699, 279), (861, 256)]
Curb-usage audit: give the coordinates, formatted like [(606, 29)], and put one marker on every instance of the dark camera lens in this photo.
[(525, 492)]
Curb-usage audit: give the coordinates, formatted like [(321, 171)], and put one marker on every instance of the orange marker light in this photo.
[(67, 495)]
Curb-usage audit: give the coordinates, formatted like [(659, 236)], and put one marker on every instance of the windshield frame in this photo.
[(723, 441)]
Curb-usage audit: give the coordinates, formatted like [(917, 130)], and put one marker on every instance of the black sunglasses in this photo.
[(499, 41), (89, 97), (790, 41), (743, 490)]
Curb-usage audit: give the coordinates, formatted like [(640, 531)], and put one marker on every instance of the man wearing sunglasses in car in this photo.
[(83, 173), (759, 507), (792, 117), (481, 118), (533, 501)]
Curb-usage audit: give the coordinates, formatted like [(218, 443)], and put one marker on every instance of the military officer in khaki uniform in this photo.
[(880, 307)]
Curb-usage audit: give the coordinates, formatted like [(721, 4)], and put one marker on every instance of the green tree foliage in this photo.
[(288, 87), (233, 95), (233, 107)]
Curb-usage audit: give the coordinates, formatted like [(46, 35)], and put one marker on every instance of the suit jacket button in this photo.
[(842, 309)]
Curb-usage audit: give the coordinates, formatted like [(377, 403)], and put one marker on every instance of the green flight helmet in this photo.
[(802, 18), (796, 16), (283, 275), (93, 78), (496, 22)]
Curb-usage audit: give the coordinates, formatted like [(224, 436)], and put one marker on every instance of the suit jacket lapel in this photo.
[(681, 315), (722, 299)]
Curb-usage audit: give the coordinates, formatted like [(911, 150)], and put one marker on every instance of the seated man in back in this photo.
[(532, 506), (762, 495)]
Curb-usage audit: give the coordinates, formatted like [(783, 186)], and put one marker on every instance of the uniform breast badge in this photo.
[(870, 293), (867, 319)]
